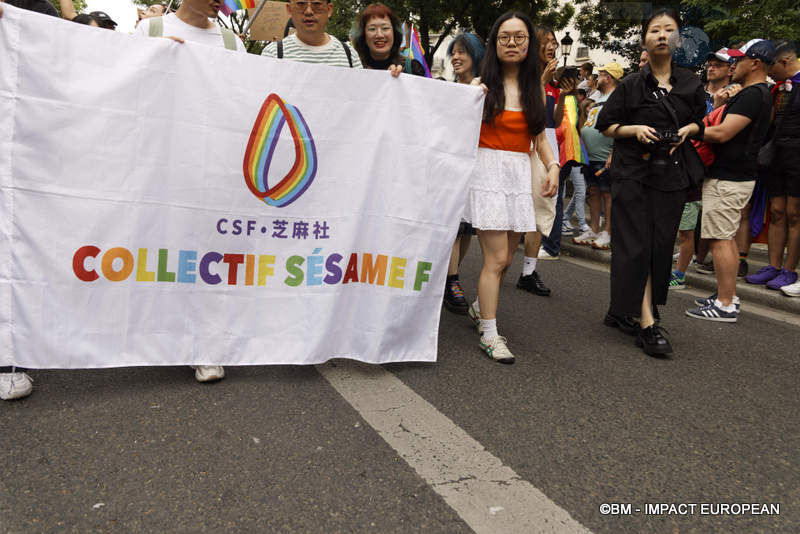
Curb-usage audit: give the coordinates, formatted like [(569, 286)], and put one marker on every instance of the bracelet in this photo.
[(550, 165)]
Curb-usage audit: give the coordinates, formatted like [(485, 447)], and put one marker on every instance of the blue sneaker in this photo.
[(712, 312), (677, 282), (703, 302)]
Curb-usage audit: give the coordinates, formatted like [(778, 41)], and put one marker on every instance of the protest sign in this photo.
[(270, 25)]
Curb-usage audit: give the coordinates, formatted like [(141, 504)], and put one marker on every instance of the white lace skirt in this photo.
[(500, 192)]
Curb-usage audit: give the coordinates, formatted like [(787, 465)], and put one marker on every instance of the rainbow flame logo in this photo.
[(274, 114)]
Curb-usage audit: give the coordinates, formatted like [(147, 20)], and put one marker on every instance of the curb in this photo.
[(747, 292)]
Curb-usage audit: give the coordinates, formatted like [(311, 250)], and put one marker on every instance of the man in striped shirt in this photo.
[(311, 44)]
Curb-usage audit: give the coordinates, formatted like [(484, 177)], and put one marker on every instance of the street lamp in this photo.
[(566, 47)]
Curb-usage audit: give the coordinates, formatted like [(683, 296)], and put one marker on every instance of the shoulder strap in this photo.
[(409, 66), (229, 38), (347, 52), (156, 25), (280, 49)]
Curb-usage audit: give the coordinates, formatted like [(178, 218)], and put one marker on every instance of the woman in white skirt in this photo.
[(500, 203)]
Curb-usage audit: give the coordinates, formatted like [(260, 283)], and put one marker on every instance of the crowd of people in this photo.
[(675, 157)]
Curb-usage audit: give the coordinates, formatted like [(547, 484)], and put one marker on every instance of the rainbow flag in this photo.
[(570, 144), (412, 47), (235, 5)]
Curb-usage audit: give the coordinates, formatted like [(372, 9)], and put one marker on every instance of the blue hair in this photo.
[(474, 47)]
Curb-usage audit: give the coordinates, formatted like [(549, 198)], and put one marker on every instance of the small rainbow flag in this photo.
[(235, 5), (570, 144), (412, 46)]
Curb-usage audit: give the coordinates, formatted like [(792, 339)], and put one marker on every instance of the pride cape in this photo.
[(570, 144)]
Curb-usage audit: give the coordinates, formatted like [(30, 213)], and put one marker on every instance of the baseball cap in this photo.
[(755, 49), (614, 69), (721, 54), (104, 20)]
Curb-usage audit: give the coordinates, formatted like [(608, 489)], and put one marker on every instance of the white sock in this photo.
[(728, 309), (528, 266), (489, 328)]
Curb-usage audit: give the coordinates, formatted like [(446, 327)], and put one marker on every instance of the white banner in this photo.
[(168, 204)]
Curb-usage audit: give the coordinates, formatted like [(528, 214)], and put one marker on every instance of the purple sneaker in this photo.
[(764, 275), (784, 278)]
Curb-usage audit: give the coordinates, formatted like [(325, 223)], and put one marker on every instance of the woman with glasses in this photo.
[(650, 115), (378, 36), (500, 201)]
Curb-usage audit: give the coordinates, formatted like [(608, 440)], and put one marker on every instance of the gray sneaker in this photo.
[(497, 349), (15, 385), (476, 318)]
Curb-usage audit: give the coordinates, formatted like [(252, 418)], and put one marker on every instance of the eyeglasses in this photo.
[(519, 39), (316, 6), (382, 29)]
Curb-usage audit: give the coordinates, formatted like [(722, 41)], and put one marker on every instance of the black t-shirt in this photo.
[(787, 113), (737, 160), (383, 64), (638, 100), (40, 6)]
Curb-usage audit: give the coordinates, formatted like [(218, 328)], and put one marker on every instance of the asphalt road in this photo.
[(584, 416)]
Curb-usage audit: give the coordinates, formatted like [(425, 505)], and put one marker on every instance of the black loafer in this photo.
[(534, 284), (652, 341), (627, 324)]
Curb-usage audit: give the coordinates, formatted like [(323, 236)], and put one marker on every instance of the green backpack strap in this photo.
[(408, 66), (156, 27), (229, 38)]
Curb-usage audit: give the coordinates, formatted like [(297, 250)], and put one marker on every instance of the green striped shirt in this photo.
[(331, 53)]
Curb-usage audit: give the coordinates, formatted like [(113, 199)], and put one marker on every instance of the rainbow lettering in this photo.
[(120, 264), (235, 5), (261, 148)]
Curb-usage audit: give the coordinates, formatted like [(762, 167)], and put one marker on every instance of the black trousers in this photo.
[(644, 224)]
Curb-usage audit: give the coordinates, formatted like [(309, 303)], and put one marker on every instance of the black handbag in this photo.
[(767, 153), (693, 165)]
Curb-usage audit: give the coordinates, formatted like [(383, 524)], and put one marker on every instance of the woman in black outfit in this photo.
[(378, 37), (651, 176)]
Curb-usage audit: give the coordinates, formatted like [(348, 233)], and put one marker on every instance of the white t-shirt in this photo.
[(175, 27), (597, 96)]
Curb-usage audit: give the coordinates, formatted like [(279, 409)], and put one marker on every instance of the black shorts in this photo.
[(466, 228), (783, 178)]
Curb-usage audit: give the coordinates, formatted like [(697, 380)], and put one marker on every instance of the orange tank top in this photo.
[(509, 132)]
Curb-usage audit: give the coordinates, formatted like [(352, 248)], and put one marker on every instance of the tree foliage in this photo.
[(616, 26), (442, 17), (80, 5)]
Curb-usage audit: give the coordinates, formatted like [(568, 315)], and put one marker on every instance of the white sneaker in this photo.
[(585, 228), (544, 255), (792, 290), (603, 241), (497, 349), (566, 228), (475, 317), (15, 385), (586, 238), (208, 373)]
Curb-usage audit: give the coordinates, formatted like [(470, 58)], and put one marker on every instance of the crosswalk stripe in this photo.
[(489, 496)]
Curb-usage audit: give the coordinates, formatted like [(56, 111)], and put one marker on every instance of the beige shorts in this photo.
[(723, 202)]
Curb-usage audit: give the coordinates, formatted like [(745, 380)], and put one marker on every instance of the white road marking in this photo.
[(489, 496)]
